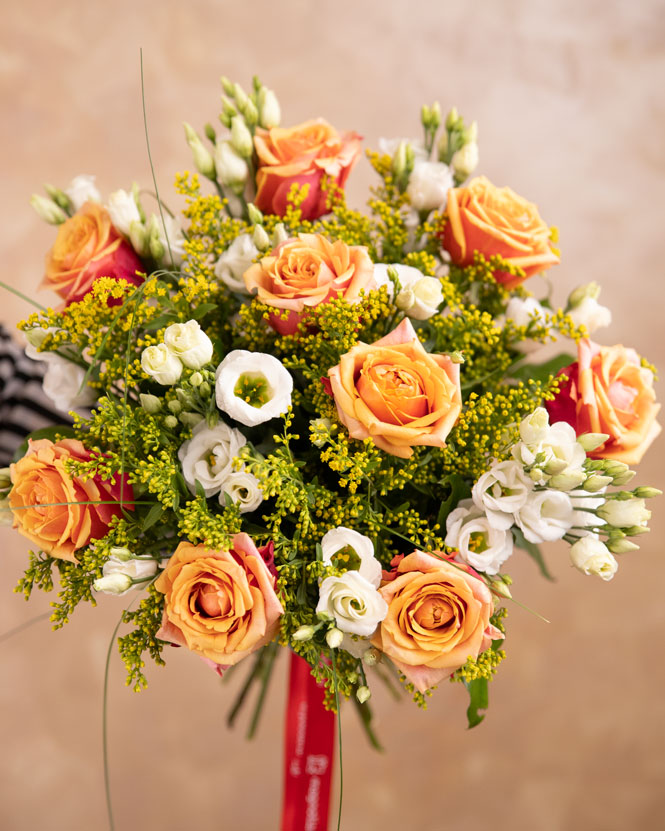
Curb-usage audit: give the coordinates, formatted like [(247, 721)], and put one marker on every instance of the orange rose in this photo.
[(303, 154), (88, 246), (438, 616), (496, 221), (49, 504), (220, 604), (396, 393), (307, 270), (609, 392)]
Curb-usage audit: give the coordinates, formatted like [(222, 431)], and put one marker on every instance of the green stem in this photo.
[(15, 631), (339, 740), (265, 675), (240, 700), (23, 296)]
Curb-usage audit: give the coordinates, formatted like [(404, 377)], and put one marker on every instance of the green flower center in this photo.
[(252, 388)]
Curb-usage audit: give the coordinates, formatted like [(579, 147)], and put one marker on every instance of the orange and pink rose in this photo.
[(87, 247), (56, 510), (608, 391), (497, 222), (307, 270), (396, 393), (222, 604), (303, 154)]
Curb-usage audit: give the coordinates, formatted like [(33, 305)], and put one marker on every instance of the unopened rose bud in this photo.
[(334, 637), (255, 215), (113, 584), (203, 160), (596, 483), (371, 657), (170, 422), (621, 546), (645, 492), (241, 138), (260, 238), (47, 210), (591, 441), (121, 553), (363, 694), (269, 111), (304, 633), (150, 403)]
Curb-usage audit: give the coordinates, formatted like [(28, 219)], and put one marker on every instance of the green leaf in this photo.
[(52, 433), (478, 700), (459, 489), (533, 551), (365, 714), (541, 372), (153, 515), (202, 310)]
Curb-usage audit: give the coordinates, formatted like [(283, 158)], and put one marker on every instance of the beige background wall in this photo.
[(569, 98)]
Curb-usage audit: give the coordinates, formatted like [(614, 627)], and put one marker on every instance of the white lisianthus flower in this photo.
[(176, 239), (546, 516), (161, 364), (62, 379), (502, 491), (123, 211), (591, 556), (189, 343), (533, 428), (119, 575), (478, 541), (591, 314), (429, 184), (232, 169), (81, 190), (551, 448), (353, 602), (207, 457), (256, 376), (243, 488), (340, 540), (235, 261), (624, 513), (522, 311)]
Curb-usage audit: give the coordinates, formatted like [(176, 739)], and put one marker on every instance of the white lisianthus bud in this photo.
[(592, 441), (334, 637), (252, 387), (170, 422), (244, 490), (37, 336), (139, 238), (502, 491), (5, 478), (554, 448), (254, 214), (405, 300), (478, 541), (363, 694), (161, 364), (47, 210), (580, 294), (371, 657), (452, 119), (122, 569), (189, 343), (208, 456), (260, 238), (6, 515), (590, 314), (596, 483), (647, 492), (303, 633), (523, 312), (123, 211), (203, 160), (269, 111), (235, 261), (546, 516), (347, 548), (429, 184), (621, 545), (150, 403), (117, 584), (591, 556), (81, 190), (167, 239), (232, 169), (355, 604), (568, 480), (241, 138), (533, 428), (279, 234), (190, 419), (465, 160), (623, 513), (121, 553), (420, 296)]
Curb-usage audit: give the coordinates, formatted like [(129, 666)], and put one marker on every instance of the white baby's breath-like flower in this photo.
[(81, 190), (243, 488), (591, 556), (256, 376), (478, 542), (502, 491), (546, 516), (161, 364), (429, 184), (235, 261), (353, 602), (189, 343), (207, 457), (356, 550)]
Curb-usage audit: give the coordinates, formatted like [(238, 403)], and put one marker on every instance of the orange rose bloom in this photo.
[(303, 154), (307, 270), (396, 393), (220, 604), (609, 392), (438, 616), (41, 479), (496, 221), (88, 246)]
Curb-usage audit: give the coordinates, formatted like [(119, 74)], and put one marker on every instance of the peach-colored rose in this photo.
[(41, 485), (609, 392), (438, 616), (303, 154), (396, 393), (307, 270), (220, 604), (88, 246), (496, 221)]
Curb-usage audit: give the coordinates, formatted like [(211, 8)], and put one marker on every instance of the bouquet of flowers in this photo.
[(297, 424)]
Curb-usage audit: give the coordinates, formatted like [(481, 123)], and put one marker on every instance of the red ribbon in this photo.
[(308, 752)]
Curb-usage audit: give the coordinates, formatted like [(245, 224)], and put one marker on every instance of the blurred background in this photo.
[(569, 101)]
